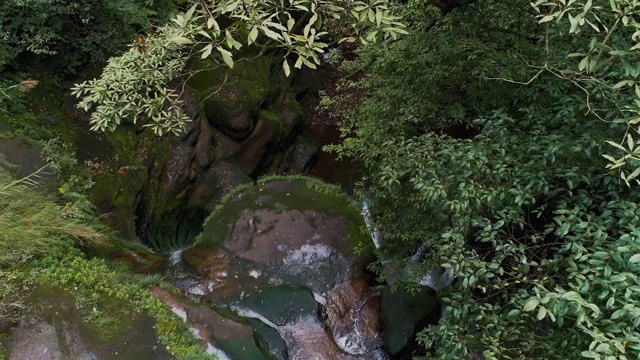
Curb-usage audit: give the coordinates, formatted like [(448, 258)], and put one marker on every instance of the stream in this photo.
[(275, 275)]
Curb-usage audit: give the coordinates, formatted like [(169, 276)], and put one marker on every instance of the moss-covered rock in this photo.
[(273, 251), (231, 99)]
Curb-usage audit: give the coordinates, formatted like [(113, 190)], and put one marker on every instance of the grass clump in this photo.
[(32, 224)]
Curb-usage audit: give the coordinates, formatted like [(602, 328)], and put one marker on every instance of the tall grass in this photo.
[(32, 224)]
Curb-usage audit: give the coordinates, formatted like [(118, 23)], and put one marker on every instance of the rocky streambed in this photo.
[(275, 274)]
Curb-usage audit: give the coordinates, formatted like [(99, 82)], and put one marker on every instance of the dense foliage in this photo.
[(484, 143), (137, 85), (75, 31), (501, 136)]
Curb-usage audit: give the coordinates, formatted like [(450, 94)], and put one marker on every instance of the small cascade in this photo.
[(365, 211), (176, 268), (437, 279)]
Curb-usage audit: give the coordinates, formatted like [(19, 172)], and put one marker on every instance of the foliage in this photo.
[(604, 65), (75, 31), (32, 224), (137, 86), (61, 158), (106, 294), (495, 164), (11, 297)]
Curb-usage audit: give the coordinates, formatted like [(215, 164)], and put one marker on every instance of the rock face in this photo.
[(281, 254), (55, 331), (246, 122), (403, 312)]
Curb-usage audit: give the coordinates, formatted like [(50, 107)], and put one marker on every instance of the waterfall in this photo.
[(436, 279), (368, 220)]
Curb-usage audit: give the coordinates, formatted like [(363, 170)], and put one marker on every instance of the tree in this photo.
[(68, 34), (135, 86), (481, 143)]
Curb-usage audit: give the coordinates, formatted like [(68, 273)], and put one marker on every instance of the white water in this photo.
[(368, 220), (436, 279)]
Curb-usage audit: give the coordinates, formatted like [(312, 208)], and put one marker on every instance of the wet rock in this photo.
[(263, 140), (402, 312), (56, 331), (300, 156), (277, 251), (353, 317), (231, 99), (222, 335), (215, 182), (269, 340), (203, 149), (290, 234)]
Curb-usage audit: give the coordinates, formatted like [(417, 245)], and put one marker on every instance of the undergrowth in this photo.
[(32, 224), (40, 244)]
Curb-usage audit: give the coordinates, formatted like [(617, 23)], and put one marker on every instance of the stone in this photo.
[(402, 312), (56, 331), (224, 336), (264, 139), (353, 319), (232, 98), (300, 156), (279, 252)]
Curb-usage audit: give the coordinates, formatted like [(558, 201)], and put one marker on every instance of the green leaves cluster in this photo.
[(606, 47), (135, 85)]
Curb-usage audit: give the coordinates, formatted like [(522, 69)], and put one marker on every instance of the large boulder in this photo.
[(232, 98)]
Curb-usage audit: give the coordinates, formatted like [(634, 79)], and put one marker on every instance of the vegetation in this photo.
[(108, 296), (33, 225), (39, 247), (502, 136), (141, 78), (486, 141)]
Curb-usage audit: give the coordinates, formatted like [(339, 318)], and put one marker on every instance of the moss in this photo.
[(269, 116), (109, 297), (291, 192), (248, 81)]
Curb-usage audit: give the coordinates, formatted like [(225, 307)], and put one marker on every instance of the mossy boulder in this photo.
[(232, 98), (300, 231)]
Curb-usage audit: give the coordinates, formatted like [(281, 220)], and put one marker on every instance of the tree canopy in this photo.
[(490, 136)]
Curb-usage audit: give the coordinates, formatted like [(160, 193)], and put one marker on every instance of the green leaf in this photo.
[(253, 35), (285, 66), (180, 40), (634, 259), (589, 354), (226, 56), (531, 304), (189, 13), (542, 312), (547, 18), (206, 51)]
